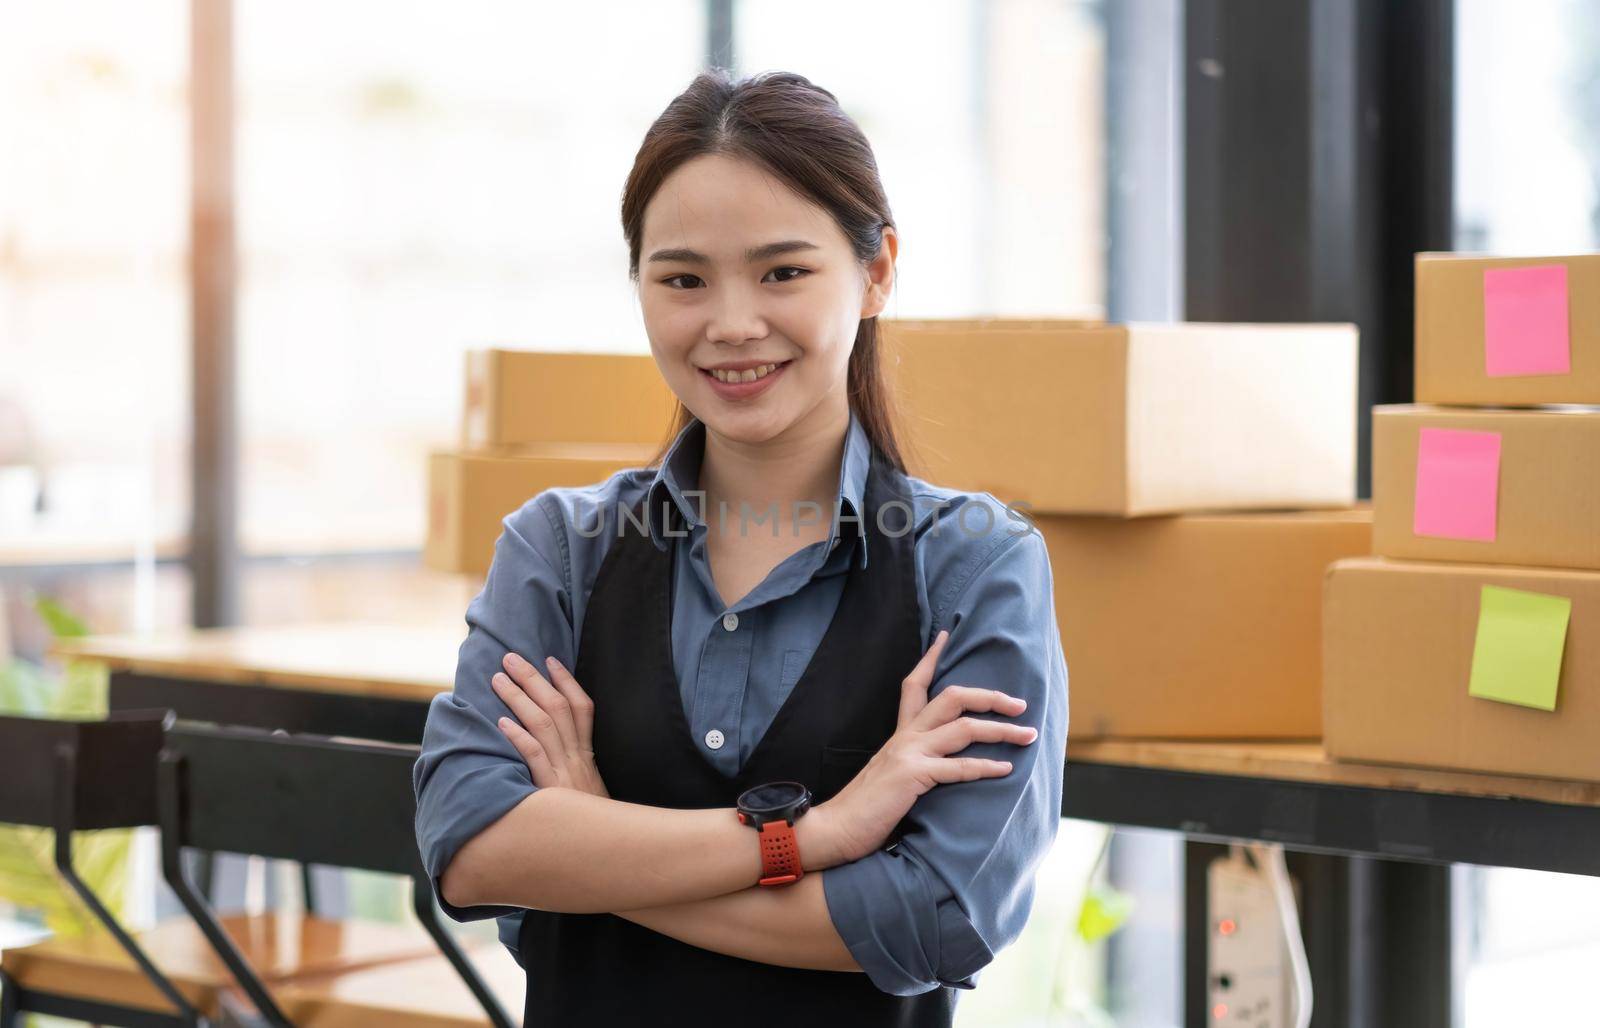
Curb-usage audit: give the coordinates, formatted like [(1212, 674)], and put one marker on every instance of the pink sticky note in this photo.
[(1458, 484), (1525, 321)]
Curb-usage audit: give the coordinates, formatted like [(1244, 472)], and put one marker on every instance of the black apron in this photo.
[(602, 970)]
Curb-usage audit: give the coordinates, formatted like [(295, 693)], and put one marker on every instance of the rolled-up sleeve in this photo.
[(468, 774), (957, 888)]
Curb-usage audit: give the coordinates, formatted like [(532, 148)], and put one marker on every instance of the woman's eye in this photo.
[(694, 280)]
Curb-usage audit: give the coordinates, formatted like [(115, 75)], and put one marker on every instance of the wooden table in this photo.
[(426, 993), (282, 947), (359, 679), (375, 680)]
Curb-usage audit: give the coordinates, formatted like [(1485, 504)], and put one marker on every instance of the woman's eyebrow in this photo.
[(751, 256)]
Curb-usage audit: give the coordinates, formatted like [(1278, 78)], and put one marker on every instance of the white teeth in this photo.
[(744, 376)]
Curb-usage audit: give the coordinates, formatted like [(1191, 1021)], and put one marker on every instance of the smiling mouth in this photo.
[(741, 377)]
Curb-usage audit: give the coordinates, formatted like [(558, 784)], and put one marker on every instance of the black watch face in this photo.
[(772, 797)]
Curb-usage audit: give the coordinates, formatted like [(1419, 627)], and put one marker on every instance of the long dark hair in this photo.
[(795, 130)]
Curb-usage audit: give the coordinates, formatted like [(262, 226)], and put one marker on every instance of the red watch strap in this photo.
[(780, 854)]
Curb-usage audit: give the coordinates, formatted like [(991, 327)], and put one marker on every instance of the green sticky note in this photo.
[(1517, 655)]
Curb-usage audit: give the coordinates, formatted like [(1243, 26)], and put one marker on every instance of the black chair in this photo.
[(70, 775), (306, 798)]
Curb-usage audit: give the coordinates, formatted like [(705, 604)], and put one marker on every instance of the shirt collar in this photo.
[(682, 465)]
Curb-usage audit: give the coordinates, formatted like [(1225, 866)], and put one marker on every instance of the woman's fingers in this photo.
[(532, 717), (581, 705), (544, 773), (956, 699), (550, 701), (914, 689), (964, 731), (967, 769)]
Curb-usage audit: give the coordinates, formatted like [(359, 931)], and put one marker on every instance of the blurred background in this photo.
[(245, 245)]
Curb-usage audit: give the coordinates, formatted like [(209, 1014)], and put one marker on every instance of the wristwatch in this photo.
[(772, 809)]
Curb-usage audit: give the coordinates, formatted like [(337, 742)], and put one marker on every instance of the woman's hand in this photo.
[(554, 725), (916, 758)]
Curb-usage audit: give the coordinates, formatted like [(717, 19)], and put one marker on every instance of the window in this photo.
[(413, 181), (93, 296), (987, 122), (1527, 182)]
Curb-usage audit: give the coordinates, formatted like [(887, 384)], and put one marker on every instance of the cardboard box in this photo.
[(1452, 360), (1081, 418), (1398, 643), (522, 397), (470, 493), (1546, 497), (1196, 626)]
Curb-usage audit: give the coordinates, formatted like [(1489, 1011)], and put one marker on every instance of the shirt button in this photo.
[(730, 621), (835, 544), (714, 739)]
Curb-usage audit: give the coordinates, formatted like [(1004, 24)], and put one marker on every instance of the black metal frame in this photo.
[(94, 785), (315, 800), (307, 711), (1315, 817), (1317, 160)]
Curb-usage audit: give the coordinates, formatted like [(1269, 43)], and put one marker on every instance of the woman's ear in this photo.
[(880, 275)]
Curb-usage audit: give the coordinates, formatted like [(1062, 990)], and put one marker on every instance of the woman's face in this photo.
[(708, 304)]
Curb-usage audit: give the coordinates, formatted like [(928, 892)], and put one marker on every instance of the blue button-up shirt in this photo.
[(930, 911)]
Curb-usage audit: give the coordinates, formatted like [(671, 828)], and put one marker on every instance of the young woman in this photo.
[(710, 751)]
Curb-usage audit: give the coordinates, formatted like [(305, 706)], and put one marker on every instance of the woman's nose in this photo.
[(736, 317)]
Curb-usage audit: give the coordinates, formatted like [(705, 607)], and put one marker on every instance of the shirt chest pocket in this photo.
[(794, 665), (840, 764)]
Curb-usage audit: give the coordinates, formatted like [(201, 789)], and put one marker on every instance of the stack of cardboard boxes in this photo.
[(1472, 639), (533, 421), (1176, 473), (1192, 483)]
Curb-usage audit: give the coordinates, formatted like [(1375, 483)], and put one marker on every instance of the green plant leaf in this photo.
[(28, 874), (84, 690), (1103, 912), (63, 624)]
